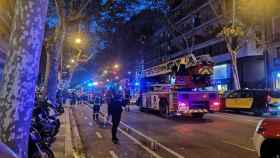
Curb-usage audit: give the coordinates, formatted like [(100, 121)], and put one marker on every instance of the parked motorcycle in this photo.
[(45, 126)]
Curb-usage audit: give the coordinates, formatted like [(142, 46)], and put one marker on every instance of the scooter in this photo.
[(37, 147)]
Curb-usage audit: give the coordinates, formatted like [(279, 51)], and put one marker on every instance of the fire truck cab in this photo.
[(174, 88)]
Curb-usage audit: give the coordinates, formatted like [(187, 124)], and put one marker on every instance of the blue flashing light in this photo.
[(90, 84), (137, 83), (278, 74)]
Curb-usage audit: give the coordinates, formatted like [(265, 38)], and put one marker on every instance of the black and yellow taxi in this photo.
[(258, 101)]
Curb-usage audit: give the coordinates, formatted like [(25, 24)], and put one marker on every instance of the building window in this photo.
[(278, 52)]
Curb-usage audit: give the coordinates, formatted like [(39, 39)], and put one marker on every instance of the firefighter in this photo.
[(117, 105), (109, 96), (96, 106)]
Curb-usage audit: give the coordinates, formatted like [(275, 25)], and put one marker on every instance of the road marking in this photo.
[(146, 137), (98, 135), (140, 144), (239, 146), (154, 141), (154, 154), (113, 154)]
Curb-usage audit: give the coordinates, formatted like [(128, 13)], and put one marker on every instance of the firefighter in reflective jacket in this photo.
[(97, 102)]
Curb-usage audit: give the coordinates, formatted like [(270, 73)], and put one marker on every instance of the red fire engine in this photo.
[(175, 87)]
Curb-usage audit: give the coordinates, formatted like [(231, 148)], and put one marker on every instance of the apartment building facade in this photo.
[(194, 29), (274, 50)]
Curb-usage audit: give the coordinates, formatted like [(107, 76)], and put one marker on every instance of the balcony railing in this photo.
[(165, 57), (190, 33), (187, 8)]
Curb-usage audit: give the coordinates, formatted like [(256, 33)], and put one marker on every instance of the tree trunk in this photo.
[(53, 62), (20, 74), (235, 70)]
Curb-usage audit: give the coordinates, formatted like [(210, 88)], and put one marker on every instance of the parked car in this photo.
[(267, 138), (258, 101)]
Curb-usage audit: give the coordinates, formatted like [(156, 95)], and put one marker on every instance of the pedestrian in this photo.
[(127, 99), (117, 105), (96, 106), (109, 96), (73, 98)]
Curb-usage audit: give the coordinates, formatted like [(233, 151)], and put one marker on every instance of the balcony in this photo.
[(185, 8), (194, 30)]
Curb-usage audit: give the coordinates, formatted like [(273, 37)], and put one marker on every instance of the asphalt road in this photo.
[(218, 135)]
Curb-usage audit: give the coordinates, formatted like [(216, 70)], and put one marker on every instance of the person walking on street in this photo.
[(96, 106), (109, 96), (117, 105)]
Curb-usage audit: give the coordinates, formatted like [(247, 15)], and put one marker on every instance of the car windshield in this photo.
[(275, 94)]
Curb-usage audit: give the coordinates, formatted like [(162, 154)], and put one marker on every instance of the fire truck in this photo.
[(176, 87)]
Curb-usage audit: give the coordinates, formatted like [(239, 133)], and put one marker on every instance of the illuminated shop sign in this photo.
[(222, 72)]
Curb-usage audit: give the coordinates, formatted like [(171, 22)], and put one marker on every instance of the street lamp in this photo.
[(68, 66), (78, 40), (116, 66), (72, 61)]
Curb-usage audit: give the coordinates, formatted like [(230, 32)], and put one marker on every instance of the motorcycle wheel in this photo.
[(45, 153)]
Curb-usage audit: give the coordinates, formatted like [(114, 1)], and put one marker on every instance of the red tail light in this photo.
[(216, 103)]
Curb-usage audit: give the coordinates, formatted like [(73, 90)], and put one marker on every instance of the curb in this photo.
[(68, 136), (77, 145)]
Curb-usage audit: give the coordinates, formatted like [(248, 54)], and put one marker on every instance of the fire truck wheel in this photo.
[(164, 112), (198, 115)]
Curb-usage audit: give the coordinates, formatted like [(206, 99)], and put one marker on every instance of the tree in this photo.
[(124, 28), (249, 19), (234, 38), (20, 74), (69, 13), (55, 44)]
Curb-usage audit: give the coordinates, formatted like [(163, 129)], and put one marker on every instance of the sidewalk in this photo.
[(97, 141), (82, 137), (68, 143), (59, 145)]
